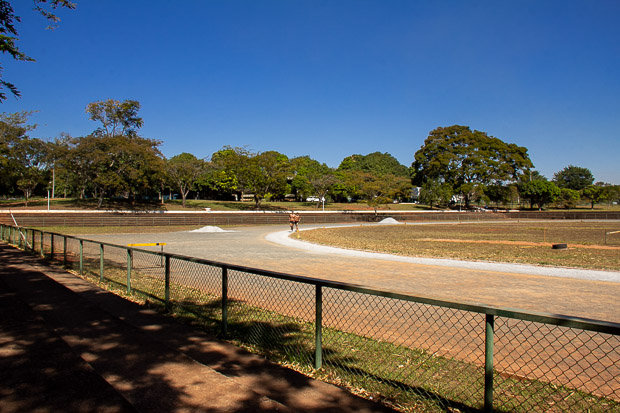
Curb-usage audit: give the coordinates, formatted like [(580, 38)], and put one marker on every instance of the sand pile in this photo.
[(389, 221), (210, 228)]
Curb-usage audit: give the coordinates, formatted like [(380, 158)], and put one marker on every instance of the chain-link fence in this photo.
[(414, 354)]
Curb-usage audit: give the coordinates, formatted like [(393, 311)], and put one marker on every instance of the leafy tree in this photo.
[(434, 192), (14, 130), (265, 175), (568, 198), (532, 175), (377, 163), (117, 118), (540, 193), (8, 33), (311, 178), (117, 165), (228, 169), (261, 174), (598, 193), (184, 170), (573, 177), (30, 155), (57, 155), (465, 159), (498, 193)]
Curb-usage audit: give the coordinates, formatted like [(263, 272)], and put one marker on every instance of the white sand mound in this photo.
[(210, 228), (389, 221)]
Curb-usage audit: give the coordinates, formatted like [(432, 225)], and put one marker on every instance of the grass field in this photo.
[(592, 245)]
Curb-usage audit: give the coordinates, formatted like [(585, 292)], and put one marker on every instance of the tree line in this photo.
[(455, 165)]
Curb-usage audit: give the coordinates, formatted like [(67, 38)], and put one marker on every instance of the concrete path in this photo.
[(66, 345), (581, 293)]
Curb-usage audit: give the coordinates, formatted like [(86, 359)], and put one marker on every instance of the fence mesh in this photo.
[(273, 316), (410, 355), (563, 369)]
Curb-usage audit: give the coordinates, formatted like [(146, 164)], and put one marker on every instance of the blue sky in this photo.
[(337, 77)]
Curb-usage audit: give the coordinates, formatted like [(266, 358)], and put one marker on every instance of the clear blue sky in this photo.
[(331, 78)]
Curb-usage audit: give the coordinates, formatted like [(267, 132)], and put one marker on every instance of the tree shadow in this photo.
[(57, 347)]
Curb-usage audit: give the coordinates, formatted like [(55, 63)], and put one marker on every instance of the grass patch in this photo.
[(514, 242)]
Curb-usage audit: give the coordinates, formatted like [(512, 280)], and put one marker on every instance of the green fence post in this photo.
[(52, 247), (101, 262), (488, 363), (81, 256), (167, 282), (318, 352), (64, 251), (224, 301), (129, 264)]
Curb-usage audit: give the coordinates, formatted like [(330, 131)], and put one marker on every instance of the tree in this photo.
[(573, 177), (377, 163), (498, 194), (30, 155), (539, 192), (435, 192), (311, 178), (598, 193), (184, 170), (228, 166), (117, 165), (465, 159), (57, 156), (568, 198), (14, 130), (117, 118), (265, 175), (8, 34)]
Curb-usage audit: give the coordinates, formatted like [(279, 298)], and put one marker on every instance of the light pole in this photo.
[(48, 195)]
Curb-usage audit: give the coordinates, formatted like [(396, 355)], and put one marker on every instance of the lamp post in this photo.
[(48, 195)]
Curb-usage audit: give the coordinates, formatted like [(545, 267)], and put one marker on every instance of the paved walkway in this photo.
[(66, 345), (581, 293)]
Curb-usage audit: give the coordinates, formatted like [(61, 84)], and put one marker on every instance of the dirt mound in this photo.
[(389, 221), (210, 228)]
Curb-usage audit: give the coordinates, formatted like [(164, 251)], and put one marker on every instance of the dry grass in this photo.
[(515, 242)]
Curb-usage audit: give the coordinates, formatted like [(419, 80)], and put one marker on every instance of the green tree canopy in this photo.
[(116, 117), (539, 192), (14, 130), (184, 171), (465, 159), (434, 192), (376, 163), (117, 165), (568, 198), (311, 178), (573, 177), (598, 193)]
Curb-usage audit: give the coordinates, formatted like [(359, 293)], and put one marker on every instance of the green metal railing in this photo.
[(412, 353)]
